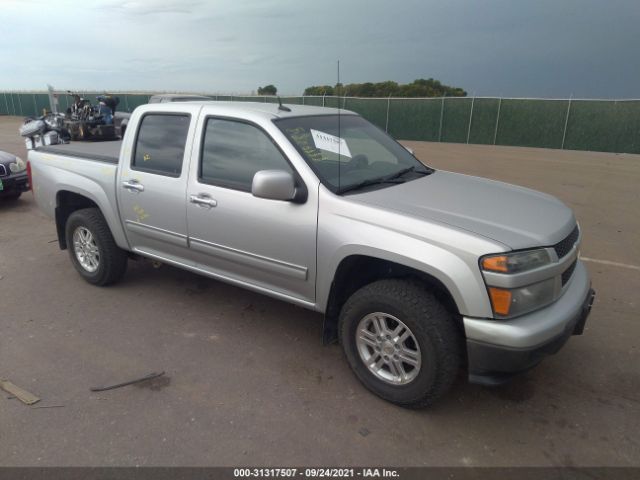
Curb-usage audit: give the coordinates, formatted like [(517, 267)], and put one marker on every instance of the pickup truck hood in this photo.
[(514, 216)]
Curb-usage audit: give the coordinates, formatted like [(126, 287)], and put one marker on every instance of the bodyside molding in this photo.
[(270, 265)]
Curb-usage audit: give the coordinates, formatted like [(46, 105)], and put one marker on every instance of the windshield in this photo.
[(360, 156)]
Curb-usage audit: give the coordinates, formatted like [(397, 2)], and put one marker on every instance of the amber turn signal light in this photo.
[(501, 300), (495, 264)]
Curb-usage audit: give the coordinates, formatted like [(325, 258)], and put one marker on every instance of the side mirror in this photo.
[(274, 185), (409, 149)]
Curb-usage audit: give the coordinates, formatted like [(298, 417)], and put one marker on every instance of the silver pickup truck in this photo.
[(420, 273)]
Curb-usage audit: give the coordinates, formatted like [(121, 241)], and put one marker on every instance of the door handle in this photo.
[(133, 185), (203, 200)]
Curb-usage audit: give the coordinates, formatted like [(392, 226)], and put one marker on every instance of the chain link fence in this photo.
[(574, 124)]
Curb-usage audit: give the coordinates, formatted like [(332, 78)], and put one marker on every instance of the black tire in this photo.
[(433, 327), (12, 197), (112, 259)]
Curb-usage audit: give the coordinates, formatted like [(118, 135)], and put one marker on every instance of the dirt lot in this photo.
[(249, 382)]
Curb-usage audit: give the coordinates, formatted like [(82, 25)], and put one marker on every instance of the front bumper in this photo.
[(14, 183), (498, 349)]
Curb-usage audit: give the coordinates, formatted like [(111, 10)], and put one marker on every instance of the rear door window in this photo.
[(160, 144)]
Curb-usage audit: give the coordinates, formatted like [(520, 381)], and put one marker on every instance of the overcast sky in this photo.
[(554, 48)]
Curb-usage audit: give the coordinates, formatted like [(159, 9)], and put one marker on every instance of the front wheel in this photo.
[(401, 343), (92, 249)]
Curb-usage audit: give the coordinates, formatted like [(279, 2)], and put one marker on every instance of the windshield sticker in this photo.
[(330, 143)]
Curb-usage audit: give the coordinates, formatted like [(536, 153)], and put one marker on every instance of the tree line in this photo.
[(418, 88)]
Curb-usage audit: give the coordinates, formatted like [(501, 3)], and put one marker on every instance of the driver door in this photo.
[(267, 245)]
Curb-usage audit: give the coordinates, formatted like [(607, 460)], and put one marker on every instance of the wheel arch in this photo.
[(69, 201), (356, 271)]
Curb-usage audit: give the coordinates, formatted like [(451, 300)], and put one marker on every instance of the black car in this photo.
[(13, 176)]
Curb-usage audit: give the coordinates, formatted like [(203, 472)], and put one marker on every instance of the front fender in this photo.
[(465, 286), (446, 253)]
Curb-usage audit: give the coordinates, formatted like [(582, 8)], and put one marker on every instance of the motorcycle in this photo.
[(48, 129), (88, 122)]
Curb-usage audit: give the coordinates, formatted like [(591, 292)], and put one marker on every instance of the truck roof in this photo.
[(177, 97), (271, 109)]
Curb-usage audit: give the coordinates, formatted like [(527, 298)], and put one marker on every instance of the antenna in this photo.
[(339, 136), (282, 107)]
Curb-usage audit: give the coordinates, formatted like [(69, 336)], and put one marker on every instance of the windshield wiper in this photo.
[(407, 170), (366, 183), (393, 178)]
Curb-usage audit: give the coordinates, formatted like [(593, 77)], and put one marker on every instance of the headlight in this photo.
[(517, 301), (515, 262), (511, 302), (18, 166)]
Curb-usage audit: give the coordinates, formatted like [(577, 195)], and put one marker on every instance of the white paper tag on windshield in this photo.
[(330, 143)]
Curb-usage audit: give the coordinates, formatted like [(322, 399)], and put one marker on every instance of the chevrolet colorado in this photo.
[(420, 273)]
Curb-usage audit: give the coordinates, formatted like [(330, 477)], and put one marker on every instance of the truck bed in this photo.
[(107, 152)]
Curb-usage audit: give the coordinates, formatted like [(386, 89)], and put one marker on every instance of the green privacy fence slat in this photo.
[(292, 100), (4, 110), (587, 121), (532, 123), (129, 102), (41, 100), (8, 98), (455, 119), (374, 110), (333, 102), (63, 103), (483, 122), (247, 99), (628, 116), (415, 119), (598, 125), (17, 103), (313, 101), (604, 126)]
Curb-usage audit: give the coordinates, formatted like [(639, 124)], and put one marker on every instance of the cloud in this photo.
[(150, 7), (542, 48)]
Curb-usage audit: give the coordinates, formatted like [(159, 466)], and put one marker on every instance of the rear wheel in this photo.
[(92, 249), (400, 342)]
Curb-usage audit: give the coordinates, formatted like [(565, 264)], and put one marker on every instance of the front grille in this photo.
[(566, 275), (563, 247), (3, 171)]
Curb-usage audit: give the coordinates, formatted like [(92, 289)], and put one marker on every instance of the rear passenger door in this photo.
[(152, 183), (268, 245)]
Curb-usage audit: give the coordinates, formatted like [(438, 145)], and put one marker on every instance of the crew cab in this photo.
[(419, 272)]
